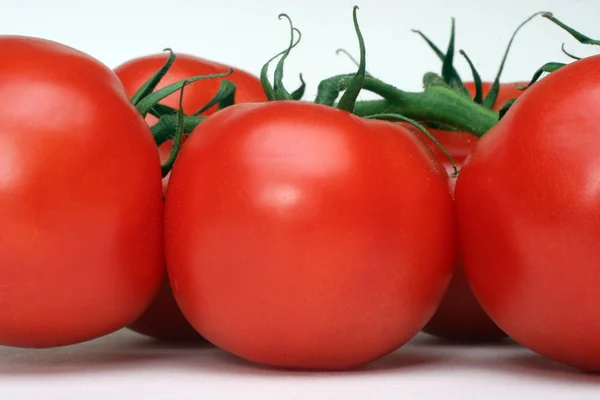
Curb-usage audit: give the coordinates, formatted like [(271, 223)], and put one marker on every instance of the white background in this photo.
[(245, 34)]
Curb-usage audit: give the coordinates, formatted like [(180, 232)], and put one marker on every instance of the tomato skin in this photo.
[(163, 319), (80, 199), (301, 236), (459, 316), (529, 209)]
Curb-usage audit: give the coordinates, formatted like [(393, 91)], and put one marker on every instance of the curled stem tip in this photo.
[(298, 93), (269, 89), (348, 99), (492, 95), (448, 63), (148, 87), (580, 37), (568, 54), (280, 91)]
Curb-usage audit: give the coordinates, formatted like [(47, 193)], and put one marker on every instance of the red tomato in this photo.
[(299, 235), (80, 199), (163, 319), (134, 73), (528, 201), (459, 316)]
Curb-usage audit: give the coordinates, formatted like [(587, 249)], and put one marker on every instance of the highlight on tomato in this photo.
[(163, 319), (300, 235)]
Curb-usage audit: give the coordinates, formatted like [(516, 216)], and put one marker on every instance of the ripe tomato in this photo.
[(459, 316), (528, 203), (80, 199), (163, 319), (299, 235)]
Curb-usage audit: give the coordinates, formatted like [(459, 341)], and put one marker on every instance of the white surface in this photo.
[(126, 365), (245, 34)]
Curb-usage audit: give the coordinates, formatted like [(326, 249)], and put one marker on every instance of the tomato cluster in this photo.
[(187, 200)]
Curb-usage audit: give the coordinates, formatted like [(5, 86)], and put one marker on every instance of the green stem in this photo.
[(355, 85), (436, 104), (166, 128), (298, 93), (168, 165)]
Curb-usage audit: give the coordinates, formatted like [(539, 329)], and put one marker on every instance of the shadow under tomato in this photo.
[(121, 350), (220, 362), (427, 340), (543, 368)]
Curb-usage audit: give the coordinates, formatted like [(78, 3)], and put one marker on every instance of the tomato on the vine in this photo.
[(528, 204), (300, 235), (459, 316), (163, 319), (80, 198)]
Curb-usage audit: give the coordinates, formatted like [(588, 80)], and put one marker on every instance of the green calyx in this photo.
[(437, 104), (453, 79), (554, 66), (276, 91), (177, 141), (440, 104), (145, 98), (580, 37), (174, 123), (348, 100)]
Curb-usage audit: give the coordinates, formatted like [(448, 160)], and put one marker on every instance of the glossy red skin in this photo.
[(80, 199), (459, 316), (298, 235), (163, 320), (529, 206)]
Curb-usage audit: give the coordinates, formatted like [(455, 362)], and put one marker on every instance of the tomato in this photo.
[(459, 316), (528, 204), (299, 235), (163, 319), (80, 198)]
